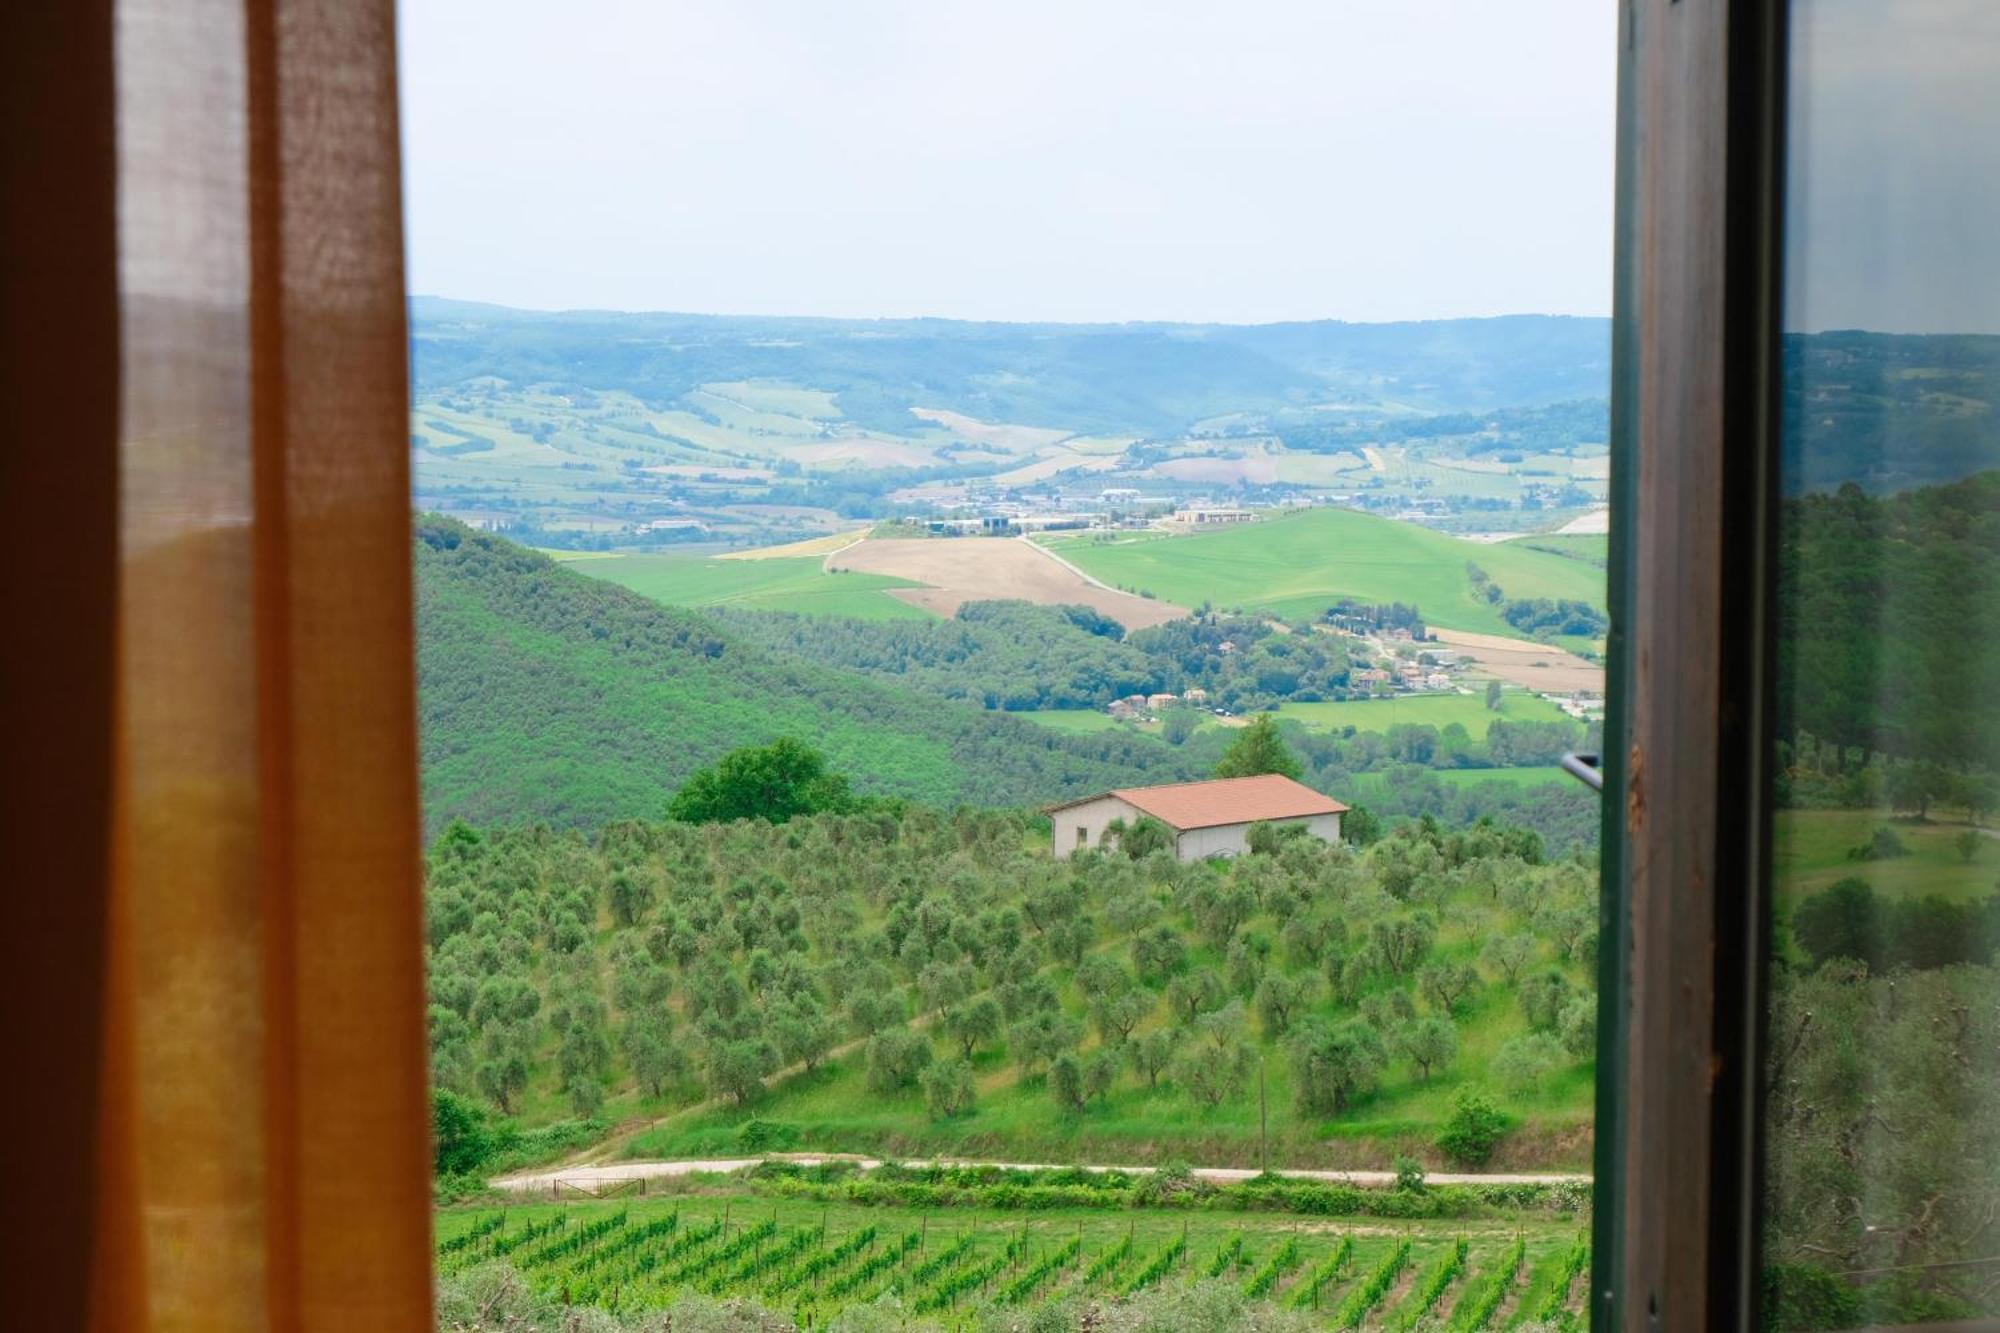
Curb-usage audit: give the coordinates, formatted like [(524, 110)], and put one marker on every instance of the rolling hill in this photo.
[(550, 697), (1298, 564)]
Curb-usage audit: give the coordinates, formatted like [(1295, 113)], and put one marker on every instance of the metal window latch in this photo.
[(1584, 768)]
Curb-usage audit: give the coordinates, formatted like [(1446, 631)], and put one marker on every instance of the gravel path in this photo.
[(587, 1176)]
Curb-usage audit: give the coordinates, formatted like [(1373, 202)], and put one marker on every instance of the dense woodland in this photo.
[(1014, 655), (1886, 606)]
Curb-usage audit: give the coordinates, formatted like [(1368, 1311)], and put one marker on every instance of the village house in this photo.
[(1206, 818), (1159, 701)]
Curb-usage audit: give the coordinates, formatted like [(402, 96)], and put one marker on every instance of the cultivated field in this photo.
[(806, 1260), (972, 569), (1536, 666), (1299, 564)]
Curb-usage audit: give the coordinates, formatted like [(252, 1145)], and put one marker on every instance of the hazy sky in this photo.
[(1023, 159), (1894, 178)]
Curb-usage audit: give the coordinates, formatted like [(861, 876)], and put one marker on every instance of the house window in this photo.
[(1082, 836)]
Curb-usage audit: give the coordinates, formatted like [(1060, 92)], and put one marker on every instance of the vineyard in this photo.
[(807, 1262)]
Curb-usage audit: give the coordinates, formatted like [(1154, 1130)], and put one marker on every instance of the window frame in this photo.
[(1685, 898)]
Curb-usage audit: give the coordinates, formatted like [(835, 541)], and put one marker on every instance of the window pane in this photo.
[(1883, 1114)]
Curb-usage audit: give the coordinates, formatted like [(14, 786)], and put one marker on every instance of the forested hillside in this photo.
[(1877, 599), (941, 983), (547, 696), (1013, 655)]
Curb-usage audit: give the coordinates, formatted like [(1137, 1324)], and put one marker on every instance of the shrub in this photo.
[(1523, 1062)]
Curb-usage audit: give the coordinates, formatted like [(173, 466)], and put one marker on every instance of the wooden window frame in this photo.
[(1687, 783)]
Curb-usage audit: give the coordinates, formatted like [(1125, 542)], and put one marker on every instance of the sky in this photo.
[(1894, 170), (1075, 160)]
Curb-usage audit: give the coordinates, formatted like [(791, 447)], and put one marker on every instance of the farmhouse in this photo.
[(1206, 818)]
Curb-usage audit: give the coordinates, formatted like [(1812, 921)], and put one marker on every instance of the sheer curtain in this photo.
[(258, 1090)]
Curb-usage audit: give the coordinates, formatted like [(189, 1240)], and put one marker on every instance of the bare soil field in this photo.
[(1014, 439), (1048, 466), (958, 570), (1535, 665), (1597, 520), (1257, 469)]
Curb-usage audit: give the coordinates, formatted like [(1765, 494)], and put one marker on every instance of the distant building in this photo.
[(1194, 694), (1437, 680), (1117, 495), (1206, 818), (1204, 516), (1159, 701)]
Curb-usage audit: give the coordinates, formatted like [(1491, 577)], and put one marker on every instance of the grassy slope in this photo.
[(1809, 851), (1297, 564), (546, 695), (780, 583)]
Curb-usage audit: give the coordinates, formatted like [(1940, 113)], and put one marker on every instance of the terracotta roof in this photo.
[(1192, 805)]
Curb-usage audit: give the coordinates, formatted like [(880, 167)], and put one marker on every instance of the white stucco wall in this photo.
[(1091, 817), (1234, 839)]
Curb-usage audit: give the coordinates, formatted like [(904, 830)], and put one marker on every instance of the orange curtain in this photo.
[(259, 1083)]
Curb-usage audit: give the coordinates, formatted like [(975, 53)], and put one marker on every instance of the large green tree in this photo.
[(774, 782), (1258, 749)]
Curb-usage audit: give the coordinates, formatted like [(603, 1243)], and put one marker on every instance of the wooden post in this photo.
[(1263, 1122)]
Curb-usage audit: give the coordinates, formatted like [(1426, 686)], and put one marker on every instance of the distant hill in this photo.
[(1887, 412), (1147, 379), (547, 696), (605, 430)]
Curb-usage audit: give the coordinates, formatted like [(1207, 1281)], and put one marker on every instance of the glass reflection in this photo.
[(1883, 1079)]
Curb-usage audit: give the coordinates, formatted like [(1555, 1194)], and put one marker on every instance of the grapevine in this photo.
[(1372, 1288), (1431, 1288), (1158, 1266), (1279, 1264), (1307, 1296), (1476, 1310)]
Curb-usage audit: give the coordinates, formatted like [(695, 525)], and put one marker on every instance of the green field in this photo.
[(1809, 851), (777, 584), (1081, 721), (1298, 564), (1365, 783), (804, 1261), (1433, 710), (1592, 548)]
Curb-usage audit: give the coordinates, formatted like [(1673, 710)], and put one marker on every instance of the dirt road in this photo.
[(589, 1176)]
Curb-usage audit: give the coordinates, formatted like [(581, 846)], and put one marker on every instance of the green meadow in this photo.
[(1297, 564), (1811, 849), (775, 584), (1432, 710), (1532, 776)]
